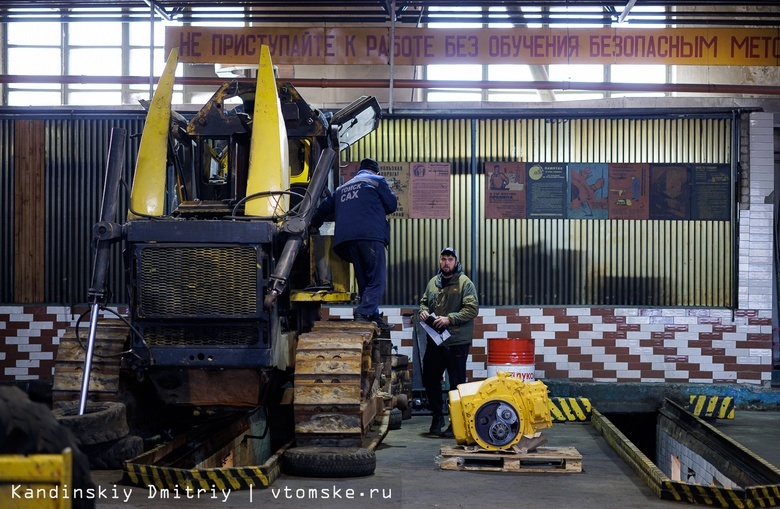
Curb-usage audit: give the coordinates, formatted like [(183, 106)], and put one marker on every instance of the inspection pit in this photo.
[(683, 458)]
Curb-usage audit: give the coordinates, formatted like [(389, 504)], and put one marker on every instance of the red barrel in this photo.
[(514, 356)]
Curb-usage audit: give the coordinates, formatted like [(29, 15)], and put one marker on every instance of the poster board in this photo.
[(628, 193), (504, 190), (588, 191), (546, 196)]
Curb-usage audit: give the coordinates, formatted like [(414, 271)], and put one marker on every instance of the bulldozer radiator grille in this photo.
[(198, 281), (212, 336)]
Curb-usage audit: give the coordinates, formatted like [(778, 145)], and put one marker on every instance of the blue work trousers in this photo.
[(368, 259)]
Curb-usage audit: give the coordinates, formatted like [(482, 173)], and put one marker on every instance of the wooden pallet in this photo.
[(543, 459)]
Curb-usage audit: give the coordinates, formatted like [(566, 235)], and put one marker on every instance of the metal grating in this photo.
[(556, 261), (197, 281), (211, 336)]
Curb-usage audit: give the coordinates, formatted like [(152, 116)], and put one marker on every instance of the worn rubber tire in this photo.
[(320, 461), (30, 428), (396, 418), (102, 422), (112, 455)]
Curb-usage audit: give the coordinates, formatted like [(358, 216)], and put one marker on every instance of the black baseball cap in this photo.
[(449, 250)]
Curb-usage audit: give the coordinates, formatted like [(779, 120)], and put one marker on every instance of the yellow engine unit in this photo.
[(498, 412)]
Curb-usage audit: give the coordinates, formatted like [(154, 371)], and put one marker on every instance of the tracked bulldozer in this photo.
[(223, 287)]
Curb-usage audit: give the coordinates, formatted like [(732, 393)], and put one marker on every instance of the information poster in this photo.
[(546, 196), (504, 190), (670, 192), (588, 191), (397, 176), (628, 194), (430, 190), (711, 192)]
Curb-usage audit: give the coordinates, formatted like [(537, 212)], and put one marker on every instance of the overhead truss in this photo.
[(759, 13)]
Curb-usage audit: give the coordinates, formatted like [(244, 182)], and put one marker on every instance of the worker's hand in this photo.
[(441, 323), (424, 315)]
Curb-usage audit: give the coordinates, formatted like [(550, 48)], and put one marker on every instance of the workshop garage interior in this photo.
[(389, 253)]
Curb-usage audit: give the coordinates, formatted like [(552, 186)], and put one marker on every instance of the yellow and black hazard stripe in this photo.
[(569, 409), (711, 407), (764, 496), (715, 496), (232, 478)]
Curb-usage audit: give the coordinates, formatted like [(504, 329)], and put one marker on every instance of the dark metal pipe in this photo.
[(699, 88), (104, 234), (298, 226)]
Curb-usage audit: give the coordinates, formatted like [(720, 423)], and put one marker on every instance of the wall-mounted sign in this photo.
[(430, 190), (319, 45), (504, 190), (546, 183), (710, 192), (670, 192), (628, 196), (423, 189), (397, 176), (588, 190)]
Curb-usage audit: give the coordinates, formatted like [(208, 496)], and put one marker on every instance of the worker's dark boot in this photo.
[(448, 432), (436, 425), (380, 321)]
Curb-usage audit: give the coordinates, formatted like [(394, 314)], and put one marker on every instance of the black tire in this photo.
[(314, 461), (112, 455), (102, 422), (396, 418), (30, 428)]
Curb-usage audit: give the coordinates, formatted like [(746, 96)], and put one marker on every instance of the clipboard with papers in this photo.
[(436, 336)]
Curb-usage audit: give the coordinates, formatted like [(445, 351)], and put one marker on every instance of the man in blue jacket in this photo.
[(360, 207)]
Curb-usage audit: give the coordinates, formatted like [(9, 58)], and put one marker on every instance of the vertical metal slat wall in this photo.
[(76, 157), (513, 262), (560, 261), (6, 209)]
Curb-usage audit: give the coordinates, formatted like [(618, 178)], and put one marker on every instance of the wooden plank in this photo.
[(543, 459), (71, 351), (29, 210), (102, 378)]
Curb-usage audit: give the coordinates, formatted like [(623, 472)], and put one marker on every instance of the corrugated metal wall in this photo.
[(7, 210), (555, 261), (76, 155), (513, 262)]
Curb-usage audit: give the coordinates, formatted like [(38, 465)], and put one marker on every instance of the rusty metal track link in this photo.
[(335, 394)]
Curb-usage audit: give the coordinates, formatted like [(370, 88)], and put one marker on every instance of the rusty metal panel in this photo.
[(7, 204)]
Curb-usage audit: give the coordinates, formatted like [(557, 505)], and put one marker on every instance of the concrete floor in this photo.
[(407, 476)]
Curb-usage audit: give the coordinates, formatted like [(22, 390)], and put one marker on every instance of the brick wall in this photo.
[(580, 344)]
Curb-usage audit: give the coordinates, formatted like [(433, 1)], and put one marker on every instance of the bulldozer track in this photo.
[(110, 340), (335, 390)]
